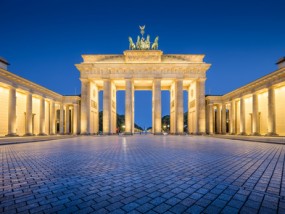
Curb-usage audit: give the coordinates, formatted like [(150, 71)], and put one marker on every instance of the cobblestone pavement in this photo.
[(142, 174)]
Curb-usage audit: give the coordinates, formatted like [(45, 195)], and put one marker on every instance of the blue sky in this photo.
[(44, 39)]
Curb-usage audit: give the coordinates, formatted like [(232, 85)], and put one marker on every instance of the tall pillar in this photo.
[(29, 115), (75, 118), (224, 119), (42, 116), (210, 118), (129, 107), (67, 120), (242, 116), (218, 120), (107, 111), (200, 106), (85, 107), (156, 93), (179, 107), (232, 118), (52, 117), (61, 121), (255, 116), (12, 112), (271, 112)]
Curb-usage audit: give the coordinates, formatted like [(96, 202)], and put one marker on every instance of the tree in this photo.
[(120, 121)]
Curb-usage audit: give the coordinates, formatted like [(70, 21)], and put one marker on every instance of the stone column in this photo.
[(242, 116), (42, 117), (179, 107), (75, 118), (218, 119), (107, 108), (271, 112), (200, 106), (67, 120), (85, 107), (232, 118), (61, 121), (52, 117), (12, 113), (156, 93), (255, 116), (224, 119), (210, 117), (129, 107), (29, 115)]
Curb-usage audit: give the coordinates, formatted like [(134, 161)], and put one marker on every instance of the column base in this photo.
[(42, 134), (242, 133), (158, 133), (255, 134), (29, 134), (272, 134), (128, 133), (84, 133), (12, 135)]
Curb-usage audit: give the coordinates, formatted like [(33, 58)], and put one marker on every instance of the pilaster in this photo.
[(29, 115), (42, 117), (156, 93), (129, 106), (242, 116), (255, 116), (271, 112), (12, 112)]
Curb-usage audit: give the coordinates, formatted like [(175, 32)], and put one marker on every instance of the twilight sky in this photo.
[(44, 39)]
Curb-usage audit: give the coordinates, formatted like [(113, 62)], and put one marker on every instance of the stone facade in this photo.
[(143, 70), (257, 108)]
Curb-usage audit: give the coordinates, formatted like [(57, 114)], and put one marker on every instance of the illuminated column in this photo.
[(67, 120), (61, 122), (42, 116), (200, 106), (224, 119), (12, 112), (129, 107), (156, 93), (85, 107), (255, 116), (232, 117), (75, 118), (218, 119), (179, 107), (52, 117), (271, 112), (210, 117), (107, 108), (242, 116), (29, 115)]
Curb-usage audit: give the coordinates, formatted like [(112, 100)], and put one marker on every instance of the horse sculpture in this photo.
[(155, 44), (132, 45)]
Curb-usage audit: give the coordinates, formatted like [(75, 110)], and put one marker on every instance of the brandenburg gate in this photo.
[(143, 67)]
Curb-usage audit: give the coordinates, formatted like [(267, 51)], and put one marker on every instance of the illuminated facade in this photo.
[(257, 108), (254, 109)]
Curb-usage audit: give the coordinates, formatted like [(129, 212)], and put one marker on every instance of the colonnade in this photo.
[(27, 110), (257, 113), (91, 88)]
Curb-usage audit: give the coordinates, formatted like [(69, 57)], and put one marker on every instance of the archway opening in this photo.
[(143, 110)]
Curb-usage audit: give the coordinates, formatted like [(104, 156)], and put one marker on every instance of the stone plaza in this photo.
[(142, 174)]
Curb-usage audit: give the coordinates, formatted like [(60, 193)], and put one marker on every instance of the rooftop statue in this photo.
[(142, 43)]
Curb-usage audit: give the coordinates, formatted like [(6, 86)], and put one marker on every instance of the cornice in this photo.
[(19, 82)]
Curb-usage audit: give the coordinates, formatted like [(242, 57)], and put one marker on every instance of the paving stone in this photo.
[(142, 174)]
